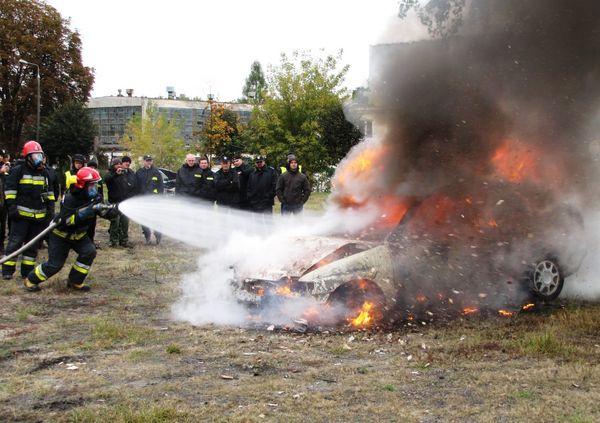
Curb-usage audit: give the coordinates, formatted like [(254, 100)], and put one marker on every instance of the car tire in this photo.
[(545, 279)]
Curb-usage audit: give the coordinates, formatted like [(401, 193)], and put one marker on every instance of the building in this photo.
[(111, 114)]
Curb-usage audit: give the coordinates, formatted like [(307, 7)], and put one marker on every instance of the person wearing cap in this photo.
[(243, 170), (93, 164), (77, 162), (227, 185), (261, 187), (149, 181), (119, 189), (293, 188), (130, 175), (206, 181)]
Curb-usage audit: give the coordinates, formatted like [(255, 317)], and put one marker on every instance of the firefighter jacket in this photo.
[(69, 178), (206, 187), (29, 192), (243, 172), (227, 185), (293, 188), (118, 185), (74, 223), (186, 182), (261, 188), (131, 181), (149, 181)]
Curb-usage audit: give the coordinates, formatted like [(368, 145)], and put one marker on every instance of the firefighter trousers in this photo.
[(21, 232), (58, 251)]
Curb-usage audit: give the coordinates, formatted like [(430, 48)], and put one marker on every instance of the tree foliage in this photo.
[(221, 131), (442, 17), (302, 113), (34, 31), (156, 135), (66, 131), (255, 84)]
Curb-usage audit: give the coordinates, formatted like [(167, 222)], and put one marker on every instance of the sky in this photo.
[(201, 46)]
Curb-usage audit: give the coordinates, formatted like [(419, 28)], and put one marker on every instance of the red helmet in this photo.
[(31, 147), (85, 175)]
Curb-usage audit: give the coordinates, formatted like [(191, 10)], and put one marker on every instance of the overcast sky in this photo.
[(201, 46)]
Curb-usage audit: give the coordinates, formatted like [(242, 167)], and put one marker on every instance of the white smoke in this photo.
[(240, 244)]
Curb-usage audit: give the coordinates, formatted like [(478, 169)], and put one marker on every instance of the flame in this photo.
[(421, 298), (469, 310), (527, 307), (492, 223), (362, 165), (260, 292), (365, 316), (505, 313), (284, 291), (516, 162)]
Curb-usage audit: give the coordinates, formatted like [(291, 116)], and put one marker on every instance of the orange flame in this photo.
[(505, 313), (421, 298), (527, 307), (365, 316), (515, 162), (492, 223), (284, 291), (469, 310)]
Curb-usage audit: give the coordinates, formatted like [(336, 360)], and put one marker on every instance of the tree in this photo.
[(156, 135), (442, 17), (302, 112), (68, 130), (34, 31), (221, 131), (255, 84)]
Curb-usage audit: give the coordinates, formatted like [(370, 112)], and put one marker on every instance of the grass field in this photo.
[(115, 355)]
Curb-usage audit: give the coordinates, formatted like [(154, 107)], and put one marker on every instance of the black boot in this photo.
[(30, 286), (78, 286)]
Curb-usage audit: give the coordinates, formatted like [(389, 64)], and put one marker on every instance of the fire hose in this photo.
[(104, 209)]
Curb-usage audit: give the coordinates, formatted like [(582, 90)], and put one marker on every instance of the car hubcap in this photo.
[(546, 277)]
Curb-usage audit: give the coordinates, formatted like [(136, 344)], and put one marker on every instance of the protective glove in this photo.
[(87, 212), (13, 213)]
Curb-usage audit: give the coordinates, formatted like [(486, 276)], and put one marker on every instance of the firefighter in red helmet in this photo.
[(77, 212), (29, 197)]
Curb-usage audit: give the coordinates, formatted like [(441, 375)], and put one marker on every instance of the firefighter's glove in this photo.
[(86, 212), (13, 212)]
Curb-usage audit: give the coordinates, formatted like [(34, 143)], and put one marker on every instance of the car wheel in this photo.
[(546, 279)]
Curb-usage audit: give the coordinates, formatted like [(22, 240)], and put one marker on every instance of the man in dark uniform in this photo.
[(243, 170), (77, 211), (149, 182), (186, 182), (119, 189), (4, 170), (261, 187), (93, 164), (227, 185), (69, 177), (206, 183), (30, 200)]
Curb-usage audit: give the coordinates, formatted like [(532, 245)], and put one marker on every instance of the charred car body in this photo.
[(438, 253)]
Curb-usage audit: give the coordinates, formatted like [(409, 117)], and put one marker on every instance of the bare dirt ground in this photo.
[(114, 355)]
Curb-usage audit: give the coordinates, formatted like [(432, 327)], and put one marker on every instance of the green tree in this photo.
[(442, 17), (255, 84), (68, 130), (156, 135), (221, 131), (301, 111), (34, 31)]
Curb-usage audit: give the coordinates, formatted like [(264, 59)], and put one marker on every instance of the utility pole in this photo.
[(25, 62)]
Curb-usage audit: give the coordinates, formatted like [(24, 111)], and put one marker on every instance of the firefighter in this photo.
[(261, 187), (30, 199), (293, 188), (186, 182), (243, 170), (4, 170), (119, 188), (206, 183), (227, 185), (93, 164), (149, 182), (77, 211), (69, 177)]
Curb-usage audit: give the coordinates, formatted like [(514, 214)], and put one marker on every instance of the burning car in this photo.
[(443, 252)]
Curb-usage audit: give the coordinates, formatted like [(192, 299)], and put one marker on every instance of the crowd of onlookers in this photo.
[(235, 184)]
